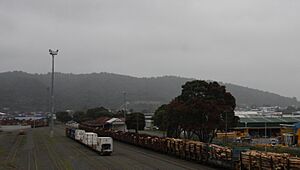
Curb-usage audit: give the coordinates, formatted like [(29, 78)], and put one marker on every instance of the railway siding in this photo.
[(38, 152)]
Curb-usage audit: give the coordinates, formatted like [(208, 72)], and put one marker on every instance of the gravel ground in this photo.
[(37, 151)]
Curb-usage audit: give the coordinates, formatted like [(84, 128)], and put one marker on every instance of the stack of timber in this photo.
[(268, 160), (220, 152)]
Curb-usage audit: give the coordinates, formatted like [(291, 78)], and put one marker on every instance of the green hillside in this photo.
[(30, 92)]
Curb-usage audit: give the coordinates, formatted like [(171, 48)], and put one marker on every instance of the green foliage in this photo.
[(97, 112), (160, 117), (63, 116), (200, 110), (135, 121), (79, 116)]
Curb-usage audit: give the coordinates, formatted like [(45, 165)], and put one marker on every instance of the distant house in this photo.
[(148, 120), (99, 122), (108, 123), (117, 124), (2, 115)]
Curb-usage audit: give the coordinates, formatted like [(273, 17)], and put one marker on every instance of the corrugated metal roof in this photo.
[(114, 120), (269, 119)]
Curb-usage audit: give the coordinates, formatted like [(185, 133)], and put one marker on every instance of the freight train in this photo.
[(102, 145), (189, 150), (203, 153)]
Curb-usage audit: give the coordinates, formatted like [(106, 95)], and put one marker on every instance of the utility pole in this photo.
[(265, 136), (125, 110), (52, 53), (226, 126), (137, 122), (48, 108)]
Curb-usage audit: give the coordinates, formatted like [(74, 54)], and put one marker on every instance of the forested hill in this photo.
[(30, 92)]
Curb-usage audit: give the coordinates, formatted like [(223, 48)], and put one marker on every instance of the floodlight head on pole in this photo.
[(53, 52)]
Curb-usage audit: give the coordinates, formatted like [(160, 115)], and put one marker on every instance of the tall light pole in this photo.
[(52, 53), (125, 110)]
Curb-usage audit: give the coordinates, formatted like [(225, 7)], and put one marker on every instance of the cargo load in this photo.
[(79, 134), (104, 145), (90, 139)]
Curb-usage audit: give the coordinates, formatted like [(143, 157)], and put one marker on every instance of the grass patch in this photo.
[(1, 151), (67, 165), (23, 141)]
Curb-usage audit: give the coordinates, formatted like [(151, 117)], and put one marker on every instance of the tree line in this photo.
[(199, 111)]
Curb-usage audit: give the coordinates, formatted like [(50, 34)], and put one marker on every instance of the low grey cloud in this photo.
[(252, 43)]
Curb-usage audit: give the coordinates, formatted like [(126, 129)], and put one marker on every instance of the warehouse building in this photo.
[(260, 126)]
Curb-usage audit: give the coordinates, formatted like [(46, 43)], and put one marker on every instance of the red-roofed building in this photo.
[(107, 123)]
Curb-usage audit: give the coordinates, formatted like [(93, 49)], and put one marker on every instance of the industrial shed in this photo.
[(261, 126)]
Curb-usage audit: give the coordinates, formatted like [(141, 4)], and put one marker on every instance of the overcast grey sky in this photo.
[(254, 43)]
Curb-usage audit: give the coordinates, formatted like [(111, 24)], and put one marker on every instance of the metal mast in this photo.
[(52, 53)]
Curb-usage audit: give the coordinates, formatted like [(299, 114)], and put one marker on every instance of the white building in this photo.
[(2, 115), (148, 120), (117, 124)]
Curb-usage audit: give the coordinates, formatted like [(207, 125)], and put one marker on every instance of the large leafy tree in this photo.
[(201, 109), (79, 116), (135, 121)]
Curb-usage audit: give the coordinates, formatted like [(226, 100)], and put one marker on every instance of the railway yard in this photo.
[(36, 150)]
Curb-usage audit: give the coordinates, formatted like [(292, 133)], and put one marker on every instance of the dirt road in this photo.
[(37, 151)]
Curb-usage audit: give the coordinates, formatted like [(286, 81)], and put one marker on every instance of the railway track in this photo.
[(43, 145), (159, 158), (138, 158), (40, 152), (78, 150), (14, 150), (55, 158), (31, 161)]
